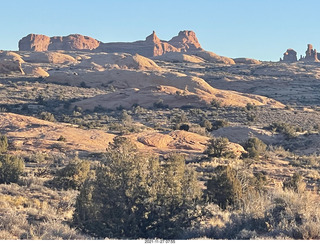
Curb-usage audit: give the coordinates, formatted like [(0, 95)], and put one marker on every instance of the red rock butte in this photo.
[(186, 41)]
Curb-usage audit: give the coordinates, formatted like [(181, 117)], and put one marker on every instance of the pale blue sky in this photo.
[(261, 29)]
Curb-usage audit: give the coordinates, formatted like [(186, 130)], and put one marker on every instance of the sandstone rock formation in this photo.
[(311, 55), (10, 62), (145, 88), (35, 71), (186, 41), (101, 61), (28, 133), (48, 57), (246, 61), (212, 57), (73, 42), (176, 57), (34, 42), (182, 140), (153, 46), (290, 56), (40, 43)]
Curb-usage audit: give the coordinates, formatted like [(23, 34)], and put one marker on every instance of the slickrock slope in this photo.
[(28, 133), (101, 61), (10, 62), (179, 58), (176, 89), (48, 57), (246, 61)]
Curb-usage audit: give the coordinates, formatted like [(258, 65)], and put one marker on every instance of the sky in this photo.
[(260, 29)]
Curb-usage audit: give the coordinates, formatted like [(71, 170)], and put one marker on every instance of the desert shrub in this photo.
[(295, 215), (136, 196), (11, 168), (251, 117), (215, 104), (72, 176), (295, 183), (47, 116), (218, 147), (206, 124), (288, 130), (160, 104), (126, 119), (255, 147), (224, 188), (61, 138), (3, 143), (180, 118), (250, 106), (219, 124), (184, 127)]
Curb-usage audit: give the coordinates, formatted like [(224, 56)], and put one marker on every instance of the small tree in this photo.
[(3, 143), (136, 196), (255, 147), (72, 176), (224, 188), (11, 168), (218, 147)]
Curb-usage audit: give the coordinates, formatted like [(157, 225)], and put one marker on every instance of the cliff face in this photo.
[(150, 47), (34, 42), (41, 43)]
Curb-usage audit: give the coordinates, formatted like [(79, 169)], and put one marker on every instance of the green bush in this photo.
[(288, 130), (255, 147), (72, 176), (219, 124), (206, 124), (61, 138), (215, 104), (218, 147), (47, 116), (11, 168), (136, 196), (3, 143), (224, 188)]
